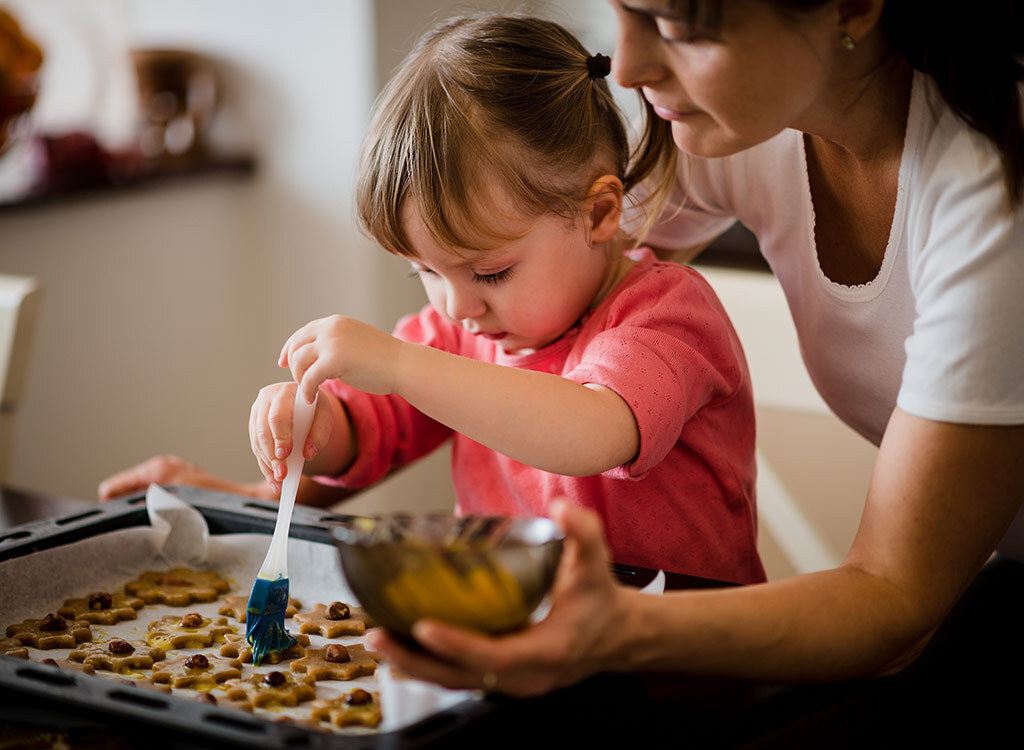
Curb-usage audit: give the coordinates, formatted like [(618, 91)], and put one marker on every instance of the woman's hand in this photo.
[(270, 434), (168, 470), (356, 353), (574, 641)]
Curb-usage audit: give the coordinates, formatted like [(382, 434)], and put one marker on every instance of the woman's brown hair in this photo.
[(484, 98)]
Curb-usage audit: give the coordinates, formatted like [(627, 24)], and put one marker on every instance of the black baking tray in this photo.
[(42, 696), (39, 695)]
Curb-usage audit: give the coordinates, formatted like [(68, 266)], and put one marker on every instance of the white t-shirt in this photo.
[(940, 330)]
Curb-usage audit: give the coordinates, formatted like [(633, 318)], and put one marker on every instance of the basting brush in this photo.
[(264, 627)]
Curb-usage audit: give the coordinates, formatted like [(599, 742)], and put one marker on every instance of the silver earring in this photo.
[(847, 41)]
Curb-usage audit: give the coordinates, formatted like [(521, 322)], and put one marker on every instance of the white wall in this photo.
[(163, 311)]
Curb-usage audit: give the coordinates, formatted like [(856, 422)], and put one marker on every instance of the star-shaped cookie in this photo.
[(188, 631), (238, 607), (237, 647), (334, 620), (336, 662), (196, 671), (177, 587), (101, 608), (117, 655)]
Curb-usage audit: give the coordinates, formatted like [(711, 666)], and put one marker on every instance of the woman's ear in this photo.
[(858, 18), (604, 207)]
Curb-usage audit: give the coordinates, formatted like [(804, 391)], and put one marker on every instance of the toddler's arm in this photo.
[(539, 419)]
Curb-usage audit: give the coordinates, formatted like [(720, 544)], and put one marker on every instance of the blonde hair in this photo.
[(486, 97)]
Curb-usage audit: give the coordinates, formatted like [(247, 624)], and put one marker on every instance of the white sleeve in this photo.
[(695, 212), (965, 356)]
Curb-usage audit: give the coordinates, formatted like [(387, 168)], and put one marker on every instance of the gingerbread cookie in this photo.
[(177, 587), (197, 671), (270, 689), (51, 632), (101, 608), (335, 620), (12, 647), (188, 631), (355, 708), (336, 662), (237, 647), (142, 683), (117, 655), (238, 607), (69, 666)]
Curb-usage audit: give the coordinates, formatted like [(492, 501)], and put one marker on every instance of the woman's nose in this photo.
[(635, 63), (463, 303)]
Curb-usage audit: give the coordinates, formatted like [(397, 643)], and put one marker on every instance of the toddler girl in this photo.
[(558, 365)]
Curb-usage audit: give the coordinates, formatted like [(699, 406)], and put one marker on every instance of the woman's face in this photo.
[(761, 73)]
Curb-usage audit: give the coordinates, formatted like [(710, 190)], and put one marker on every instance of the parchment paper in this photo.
[(36, 584)]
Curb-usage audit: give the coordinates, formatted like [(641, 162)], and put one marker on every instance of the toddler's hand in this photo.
[(356, 353), (270, 430)]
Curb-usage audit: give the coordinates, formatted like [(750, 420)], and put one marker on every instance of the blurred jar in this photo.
[(20, 60), (177, 97)]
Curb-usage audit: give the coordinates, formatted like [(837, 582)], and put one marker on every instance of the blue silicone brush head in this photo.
[(264, 623)]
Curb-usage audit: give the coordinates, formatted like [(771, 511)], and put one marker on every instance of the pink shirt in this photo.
[(662, 341)]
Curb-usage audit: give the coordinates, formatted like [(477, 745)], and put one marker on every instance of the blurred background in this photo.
[(176, 180)]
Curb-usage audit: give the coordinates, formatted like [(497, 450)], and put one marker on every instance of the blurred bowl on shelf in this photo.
[(484, 573)]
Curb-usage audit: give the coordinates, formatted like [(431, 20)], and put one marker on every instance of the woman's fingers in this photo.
[(421, 665)]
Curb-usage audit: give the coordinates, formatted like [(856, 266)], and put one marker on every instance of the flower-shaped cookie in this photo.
[(177, 587), (70, 666), (117, 655), (237, 647), (188, 631), (270, 689), (355, 708), (197, 671), (335, 620), (101, 608), (50, 632), (336, 662), (12, 647), (238, 607)]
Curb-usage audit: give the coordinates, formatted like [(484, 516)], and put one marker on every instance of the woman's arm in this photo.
[(940, 498)]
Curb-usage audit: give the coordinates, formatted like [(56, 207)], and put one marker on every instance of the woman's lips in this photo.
[(497, 336), (670, 114)]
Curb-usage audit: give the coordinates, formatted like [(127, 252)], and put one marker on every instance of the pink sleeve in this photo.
[(390, 432), (668, 352)]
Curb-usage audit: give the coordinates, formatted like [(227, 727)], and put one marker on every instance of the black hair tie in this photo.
[(599, 65)]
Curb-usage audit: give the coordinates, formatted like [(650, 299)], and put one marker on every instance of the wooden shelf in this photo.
[(142, 179)]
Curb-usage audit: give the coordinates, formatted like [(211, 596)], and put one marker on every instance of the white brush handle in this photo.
[(275, 565)]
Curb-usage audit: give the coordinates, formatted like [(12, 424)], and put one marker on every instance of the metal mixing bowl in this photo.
[(485, 573)]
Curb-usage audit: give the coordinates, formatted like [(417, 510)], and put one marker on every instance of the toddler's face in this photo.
[(523, 294)]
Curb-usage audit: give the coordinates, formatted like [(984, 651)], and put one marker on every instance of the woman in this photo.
[(895, 229)]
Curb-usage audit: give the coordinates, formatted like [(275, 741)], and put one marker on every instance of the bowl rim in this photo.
[(344, 531)]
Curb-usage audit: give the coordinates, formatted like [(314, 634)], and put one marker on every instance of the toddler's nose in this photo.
[(464, 304)]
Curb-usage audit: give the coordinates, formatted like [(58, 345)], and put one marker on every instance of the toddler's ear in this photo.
[(604, 207)]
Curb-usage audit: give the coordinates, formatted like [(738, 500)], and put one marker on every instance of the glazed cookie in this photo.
[(12, 647), (334, 620), (188, 631), (101, 608), (197, 671), (270, 689), (238, 607), (117, 655), (177, 587), (69, 666), (142, 683), (336, 662), (355, 708), (236, 647), (52, 631)]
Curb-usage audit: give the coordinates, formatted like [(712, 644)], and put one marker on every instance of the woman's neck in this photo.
[(862, 117)]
